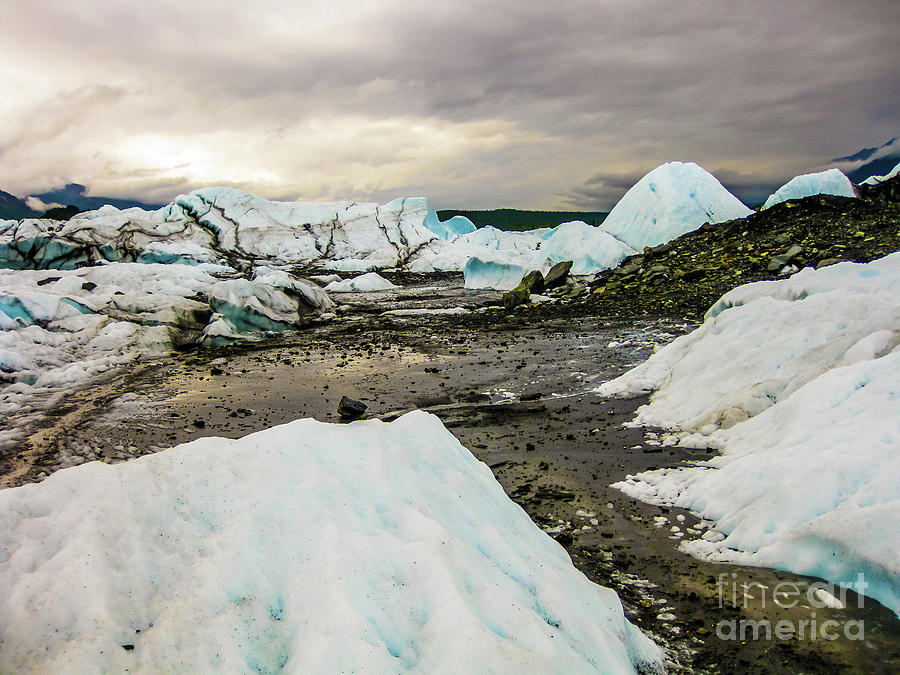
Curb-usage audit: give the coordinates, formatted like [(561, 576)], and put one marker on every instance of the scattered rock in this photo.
[(533, 281), (531, 396), (778, 262), (517, 296), (557, 275), (350, 408), (825, 262)]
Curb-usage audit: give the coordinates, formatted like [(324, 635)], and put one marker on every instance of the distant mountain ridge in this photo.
[(876, 161), (13, 208), (74, 194)]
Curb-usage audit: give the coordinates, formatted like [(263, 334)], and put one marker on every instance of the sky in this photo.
[(472, 103)]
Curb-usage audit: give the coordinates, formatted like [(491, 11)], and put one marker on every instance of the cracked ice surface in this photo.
[(227, 226)]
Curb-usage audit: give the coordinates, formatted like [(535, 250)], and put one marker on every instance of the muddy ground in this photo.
[(518, 394)]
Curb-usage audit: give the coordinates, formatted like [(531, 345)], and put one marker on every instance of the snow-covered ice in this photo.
[(830, 182), (796, 381), (307, 547), (228, 227), (671, 200), (371, 281)]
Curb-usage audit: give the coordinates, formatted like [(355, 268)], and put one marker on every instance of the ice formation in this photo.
[(671, 200), (830, 182), (227, 226), (371, 281), (796, 381), (307, 547), (60, 327), (451, 229), (232, 228), (591, 249)]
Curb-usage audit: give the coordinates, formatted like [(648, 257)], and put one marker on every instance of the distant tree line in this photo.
[(516, 219)]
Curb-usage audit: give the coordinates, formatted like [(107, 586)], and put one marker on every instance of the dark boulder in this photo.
[(558, 274), (517, 296), (533, 281), (351, 409)]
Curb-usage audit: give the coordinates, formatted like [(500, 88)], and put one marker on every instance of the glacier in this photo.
[(806, 418), (227, 226), (671, 200), (240, 231), (307, 547), (830, 182)]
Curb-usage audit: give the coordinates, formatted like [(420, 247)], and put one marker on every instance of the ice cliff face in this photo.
[(225, 226)]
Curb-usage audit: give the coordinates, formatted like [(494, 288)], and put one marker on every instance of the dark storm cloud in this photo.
[(472, 103)]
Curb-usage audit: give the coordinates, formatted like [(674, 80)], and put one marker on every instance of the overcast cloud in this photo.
[(472, 104)]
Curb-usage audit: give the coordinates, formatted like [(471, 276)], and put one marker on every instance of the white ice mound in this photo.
[(591, 249), (307, 547), (371, 281), (671, 200), (503, 258), (761, 342), (810, 481), (830, 182)]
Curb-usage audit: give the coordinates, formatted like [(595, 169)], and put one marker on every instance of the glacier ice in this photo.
[(806, 417), (591, 249), (450, 229), (371, 281), (227, 226), (830, 182), (307, 547), (60, 327), (238, 230), (671, 200)]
